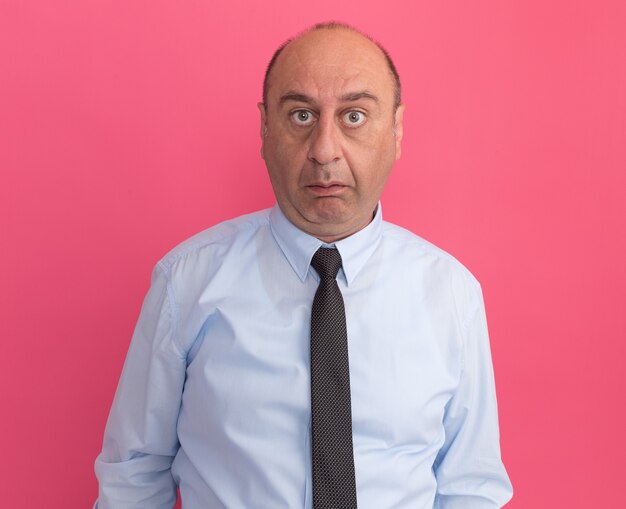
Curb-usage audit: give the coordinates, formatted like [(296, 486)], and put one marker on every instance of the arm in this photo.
[(140, 439), (469, 471)]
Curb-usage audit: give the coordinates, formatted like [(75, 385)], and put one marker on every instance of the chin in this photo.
[(330, 210)]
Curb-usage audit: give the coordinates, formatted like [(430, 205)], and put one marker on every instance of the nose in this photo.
[(325, 147)]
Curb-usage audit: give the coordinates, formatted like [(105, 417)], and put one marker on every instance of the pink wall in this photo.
[(127, 126)]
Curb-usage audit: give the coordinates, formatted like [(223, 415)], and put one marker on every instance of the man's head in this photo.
[(331, 124), (391, 67)]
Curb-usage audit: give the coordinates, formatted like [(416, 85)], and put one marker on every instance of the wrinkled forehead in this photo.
[(328, 64)]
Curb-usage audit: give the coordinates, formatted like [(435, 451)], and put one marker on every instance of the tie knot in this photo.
[(326, 262)]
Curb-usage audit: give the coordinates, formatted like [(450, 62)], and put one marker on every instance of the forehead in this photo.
[(329, 63)]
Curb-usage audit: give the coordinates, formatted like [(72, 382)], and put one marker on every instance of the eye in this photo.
[(302, 117), (354, 118)]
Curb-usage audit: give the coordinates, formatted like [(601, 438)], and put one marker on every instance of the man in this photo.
[(257, 380)]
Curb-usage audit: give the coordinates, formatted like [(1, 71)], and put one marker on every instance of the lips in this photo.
[(326, 188)]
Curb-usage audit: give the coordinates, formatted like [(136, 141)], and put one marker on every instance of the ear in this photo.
[(261, 107), (263, 112), (398, 129)]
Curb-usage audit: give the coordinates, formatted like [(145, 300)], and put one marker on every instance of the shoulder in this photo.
[(415, 255), (217, 239), (412, 246)]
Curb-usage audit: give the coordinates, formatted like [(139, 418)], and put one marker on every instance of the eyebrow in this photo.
[(295, 96), (355, 96), (349, 97)]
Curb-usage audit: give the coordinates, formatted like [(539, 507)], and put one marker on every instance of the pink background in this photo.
[(126, 126)]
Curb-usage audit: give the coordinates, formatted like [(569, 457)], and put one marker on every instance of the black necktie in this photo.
[(333, 460)]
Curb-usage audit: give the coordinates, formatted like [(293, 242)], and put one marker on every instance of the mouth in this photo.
[(327, 188)]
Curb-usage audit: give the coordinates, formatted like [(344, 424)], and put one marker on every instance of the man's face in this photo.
[(330, 130)]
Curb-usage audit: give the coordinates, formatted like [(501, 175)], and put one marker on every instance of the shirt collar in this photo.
[(299, 247)]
